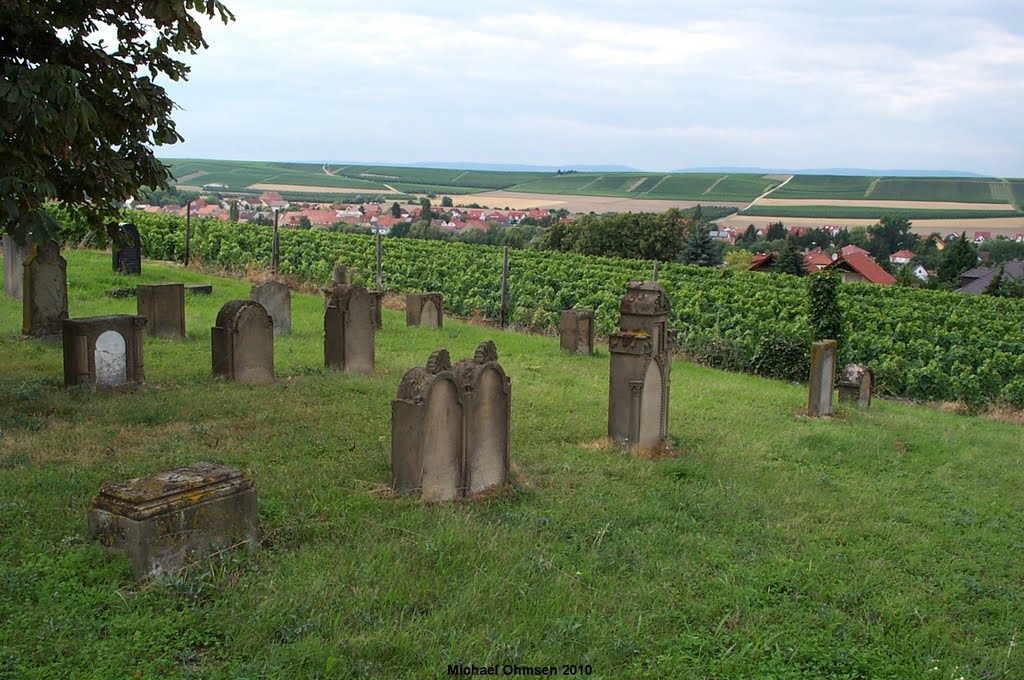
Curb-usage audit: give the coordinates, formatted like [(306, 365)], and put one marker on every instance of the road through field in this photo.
[(784, 183)]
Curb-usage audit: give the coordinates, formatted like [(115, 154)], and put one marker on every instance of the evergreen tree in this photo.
[(396, 210), (776, 232), (749, 236), (958, 257), (700, 249), (790, 261), (995, 286), (233, 211)]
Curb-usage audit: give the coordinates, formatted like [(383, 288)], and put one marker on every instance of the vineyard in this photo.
[(925, 345)]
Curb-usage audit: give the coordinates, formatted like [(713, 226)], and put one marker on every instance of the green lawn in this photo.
[(877, 544)]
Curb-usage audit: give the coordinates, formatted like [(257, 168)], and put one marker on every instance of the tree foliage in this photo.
[(80, 115), (699, 248), (957, 258), (826, 318), (790, 260)]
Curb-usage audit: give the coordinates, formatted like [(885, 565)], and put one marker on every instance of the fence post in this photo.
[(275, 255), (655, 274), (188, 230), (380, 271), (504, 287)]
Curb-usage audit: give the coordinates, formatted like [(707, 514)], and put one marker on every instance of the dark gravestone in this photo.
[(169, 520), (487, 400), (199, 289), (855, 384), (44, 291), (276, 298), (104, 351), (127, 257), (14, 265), (576, 331), (348, 329), (376, 301), (163, 305), (823, 375), (243, 343), (424, 309)]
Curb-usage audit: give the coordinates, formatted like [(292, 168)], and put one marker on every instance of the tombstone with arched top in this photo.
[(243, 343), (424, 309), (487, 398), (348, 329), (44, 291), (104, 351), (276, 299)]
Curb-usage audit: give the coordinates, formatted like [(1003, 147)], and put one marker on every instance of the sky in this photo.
[(655, 85)]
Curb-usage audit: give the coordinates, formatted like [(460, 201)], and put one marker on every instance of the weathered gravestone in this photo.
[(243, 343), (44, 291), (348, 329), (823, 371), (168, 520), (277, 300), (855, 384), (199, 288), (163, 305), (104, 351), (641, 365), (339, 274), (487, 404), (376, 304), (14, 265), (424, 309), (127, 257), (576, 331)]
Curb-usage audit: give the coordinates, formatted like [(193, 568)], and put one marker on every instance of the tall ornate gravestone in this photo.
[(855, 384), (823, 371), (576, 331), (277, 300), (348, 329), (44, 291), (243, 343), (104, 351), (163, 305), (487, 400), (14, 265), (641, 364), (424, 309), (427, 432), (127, 257), (168, 520)]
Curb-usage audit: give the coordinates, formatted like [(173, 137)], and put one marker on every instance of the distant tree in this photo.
[(426, 213), (790, 260), (958, 257), (446, 202), (699, 248), (776, 231), (748, 237), (400, 230), (233, 211), (894, 232), (738, 260), (396, 210), (262, 220), (303, 223), (905, 277)]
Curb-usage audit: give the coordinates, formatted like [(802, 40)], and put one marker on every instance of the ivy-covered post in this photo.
[(826, 317), (275, 249)]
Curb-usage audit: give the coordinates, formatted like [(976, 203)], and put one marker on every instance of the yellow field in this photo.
[(1005, 226)]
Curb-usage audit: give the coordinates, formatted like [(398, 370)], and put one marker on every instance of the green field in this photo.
[(957, 189), (240, 174), (823, 186), (859, 212), (875, 544)]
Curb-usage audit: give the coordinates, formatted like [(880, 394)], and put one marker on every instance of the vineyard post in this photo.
[(654, 276), (504, 287), (188, 230), (275, 255), (380, 273)]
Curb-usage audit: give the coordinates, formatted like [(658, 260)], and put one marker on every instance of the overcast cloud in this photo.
[(654, 85)]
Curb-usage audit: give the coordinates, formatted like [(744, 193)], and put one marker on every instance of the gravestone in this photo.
[(339, 274), (199, 289), (427, 432), (855, 384), (243, 343), (823, 371), (641, 365), (127, 258), (424, 309), (277, 300), (104, 351), (163, 305), (168, 520), (14, 265), (44, 291), (576, 331), (376, 303), (348, 329), (487, 400)]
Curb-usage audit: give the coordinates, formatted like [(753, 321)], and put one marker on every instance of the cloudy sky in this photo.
[(657, 85)]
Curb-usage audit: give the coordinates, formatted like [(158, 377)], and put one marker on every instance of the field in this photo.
[(1005, 226), (869, 212), (876, 544)]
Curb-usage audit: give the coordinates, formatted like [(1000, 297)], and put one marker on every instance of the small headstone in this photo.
[(104, 351), (424, 309), (127, 257), (44, 291), (199, 289), (169, 520), (487, 399), (641, 365), (163, 305), (339, 274), (376, 302), (855, 384), (576, 331), (277, 300), (823, 371), (348, 329), (243, 343), (14, 265)]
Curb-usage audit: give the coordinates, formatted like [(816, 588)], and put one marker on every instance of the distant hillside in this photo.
[(854, 172)]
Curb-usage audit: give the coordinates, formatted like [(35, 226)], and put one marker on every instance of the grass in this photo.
[(875, 544), (824, 186)]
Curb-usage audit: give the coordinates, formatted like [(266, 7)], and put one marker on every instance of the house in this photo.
[(1019, 238), (920, 272), (982, 236), (849, 250), (762, 263), (860, 268), (901, 257), (816, 260), (975, 281)]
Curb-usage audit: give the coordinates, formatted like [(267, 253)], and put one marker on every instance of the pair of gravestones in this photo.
[(349, 325), (450, 427), (855, 382)]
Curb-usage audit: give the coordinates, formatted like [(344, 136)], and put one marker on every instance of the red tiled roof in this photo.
[(865, 266), (815, 260), (760, 262), (902, 254), (847, 250)]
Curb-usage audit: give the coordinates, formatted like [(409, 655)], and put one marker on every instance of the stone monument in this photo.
[(14, 265), (104, 351), (277, 300), (487, 402), (44, 291), (641, 365), (424, 309), (348, 329), (163, 305), (127, 257), (855, 384), (166, 521), (576, 331), (243, 343), (377, 303), (823, 371)]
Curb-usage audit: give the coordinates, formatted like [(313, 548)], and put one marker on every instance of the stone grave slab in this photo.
[(576, 331), (424, 309), (855, 384), (14, 265), (377, 302), (487, 400), (163, 305), (127, 257), (276, 298), (243, 343), (44, 291), (823, 371), (348, 329), (104, 351)]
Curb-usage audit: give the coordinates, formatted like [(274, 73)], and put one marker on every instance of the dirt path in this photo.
[(191, 176), (457, 177), (784, 183), (655, 186), (872, 186), (713, 185), (635, 184)]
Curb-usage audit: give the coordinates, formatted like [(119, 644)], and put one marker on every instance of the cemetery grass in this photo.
[(875, 544)]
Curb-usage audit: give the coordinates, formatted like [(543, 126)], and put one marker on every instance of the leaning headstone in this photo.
[(44, 291), (576, 331), (127, 257), (487, 400), (376, 302), (243, 343), (823, 371), (641, 365), (169, 520), (348, 329), (277, 300), (14, 265), (855, 384), (163, 305), (424, 309), (427, 432), (104, 351)]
